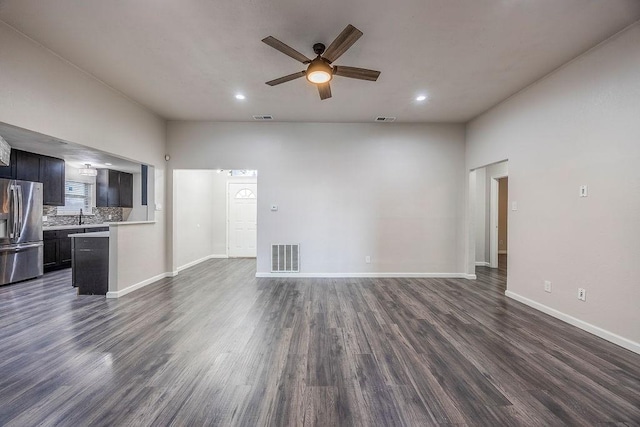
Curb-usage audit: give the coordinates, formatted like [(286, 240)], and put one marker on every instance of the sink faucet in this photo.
[(80, 217)]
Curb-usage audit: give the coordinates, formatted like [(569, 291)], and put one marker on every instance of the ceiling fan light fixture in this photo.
[(319, 71)]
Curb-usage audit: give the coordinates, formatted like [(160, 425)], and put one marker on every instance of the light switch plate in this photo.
[(514, 206), (584, 191)]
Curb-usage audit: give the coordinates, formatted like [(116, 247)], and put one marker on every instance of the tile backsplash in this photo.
[(100, 215)]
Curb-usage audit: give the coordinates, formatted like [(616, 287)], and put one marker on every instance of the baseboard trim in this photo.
[(129, 289), (198, 261), (595, 330), (370, 275), (482, 264)]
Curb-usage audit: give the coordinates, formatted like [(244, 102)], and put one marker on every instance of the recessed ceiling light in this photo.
[(240, 96), (108, 164), (421, 97)]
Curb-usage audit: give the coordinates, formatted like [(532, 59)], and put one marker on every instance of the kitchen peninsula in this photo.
[(99, 263), (57, 243), (90, 262)]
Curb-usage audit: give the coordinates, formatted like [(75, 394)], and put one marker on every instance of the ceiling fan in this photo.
[(320, 71)]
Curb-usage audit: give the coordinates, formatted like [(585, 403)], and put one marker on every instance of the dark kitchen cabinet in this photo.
[(57, 246), (27, 166), (9, 172), (38, 168), (90, 267), (126, 190), (50, 253), (52, 178), (144, 175), (64, 248), (114, 189)]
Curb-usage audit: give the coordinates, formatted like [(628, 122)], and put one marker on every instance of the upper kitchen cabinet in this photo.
[(52, 176), (49, 171), (114, 189), (27, 166), (126, 190)]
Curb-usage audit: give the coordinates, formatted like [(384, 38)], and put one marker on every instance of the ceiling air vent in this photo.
[(264, 117), (385, 119)]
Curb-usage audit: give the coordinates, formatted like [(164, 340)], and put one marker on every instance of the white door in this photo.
[(243, 213)]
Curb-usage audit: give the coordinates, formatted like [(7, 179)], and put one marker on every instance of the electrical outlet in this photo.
[(367, 259), (547, 286), (45, 218), (109, 217), (582, 294)]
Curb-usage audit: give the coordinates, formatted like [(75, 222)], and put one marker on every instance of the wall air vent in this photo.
[(385, 119), (285, 258), (263, 117)]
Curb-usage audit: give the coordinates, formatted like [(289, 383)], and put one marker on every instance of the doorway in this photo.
[(242, 223)]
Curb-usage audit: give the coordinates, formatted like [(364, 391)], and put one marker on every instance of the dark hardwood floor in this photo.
[(216, 346)]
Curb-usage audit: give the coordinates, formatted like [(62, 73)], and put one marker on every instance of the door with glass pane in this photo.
[(243, 219)]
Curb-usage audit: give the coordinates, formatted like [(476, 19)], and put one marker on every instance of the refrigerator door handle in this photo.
[(20, 247), (20, 210), (14, 220)]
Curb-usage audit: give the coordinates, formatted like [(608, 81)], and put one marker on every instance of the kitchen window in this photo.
[(77, 195)]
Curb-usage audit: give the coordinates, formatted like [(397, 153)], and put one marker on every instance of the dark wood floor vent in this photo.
[(285, 258)]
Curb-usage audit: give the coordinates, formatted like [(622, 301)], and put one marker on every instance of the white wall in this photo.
[(580, 125), (344, 191), (194, 224), (139, 212), (43, 93)]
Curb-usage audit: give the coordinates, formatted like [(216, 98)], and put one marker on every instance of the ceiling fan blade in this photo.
[(286, 78), (324, 89), (286, 49), (356, 73), (344, 41)]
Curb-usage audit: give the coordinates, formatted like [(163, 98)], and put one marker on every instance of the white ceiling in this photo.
[(186, 59)]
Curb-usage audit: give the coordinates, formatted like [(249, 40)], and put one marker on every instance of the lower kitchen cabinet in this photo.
[(57, 246), (50, 253)]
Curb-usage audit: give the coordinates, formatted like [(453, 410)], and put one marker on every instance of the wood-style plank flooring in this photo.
[(216, 346)]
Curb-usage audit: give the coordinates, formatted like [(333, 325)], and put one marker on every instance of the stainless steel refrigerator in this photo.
[(21, 247)]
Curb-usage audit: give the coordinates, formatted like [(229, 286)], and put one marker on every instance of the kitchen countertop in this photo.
[(106, 224), (94, 234), (69, 227)]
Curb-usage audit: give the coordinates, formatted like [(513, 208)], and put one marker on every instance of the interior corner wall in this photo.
[(394, 192), (480, 215), (578, 126), (43, 93)]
